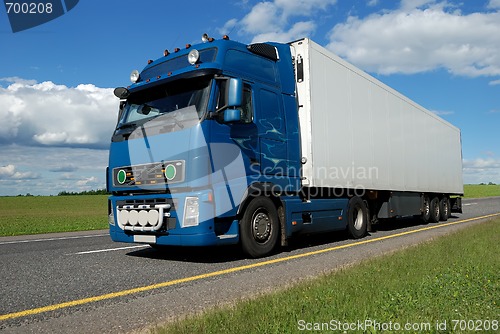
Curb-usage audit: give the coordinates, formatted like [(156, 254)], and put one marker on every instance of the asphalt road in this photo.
[(84, 283)]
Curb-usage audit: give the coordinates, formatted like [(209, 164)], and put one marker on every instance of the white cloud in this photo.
[(421, 36), (66, 168), (299, 29), (11, 172), (56, 115), (45, 170), (481, 170), (271, 20), (90, 181), (18, 80), (412, 4), (494, 4), (7, 171), (228, 27), (494, 82), (481, 163)]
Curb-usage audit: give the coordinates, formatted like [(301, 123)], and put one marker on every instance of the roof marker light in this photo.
[(134, 76), (150, 61), (188, 46), (177, 50), (205, 38), (225, 37), (166, 53)]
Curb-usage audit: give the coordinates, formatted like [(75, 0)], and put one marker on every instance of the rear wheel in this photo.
[(259, 227), (444, 208), (426, 209), (357, 218), (435, 212)]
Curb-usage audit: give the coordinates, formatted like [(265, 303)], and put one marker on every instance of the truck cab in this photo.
[(199, 131)]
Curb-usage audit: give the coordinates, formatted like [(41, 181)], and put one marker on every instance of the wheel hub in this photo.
[(261, 226), (358, 219)]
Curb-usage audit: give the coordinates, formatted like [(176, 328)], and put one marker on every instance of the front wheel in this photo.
[(357, 218), (259, 227)]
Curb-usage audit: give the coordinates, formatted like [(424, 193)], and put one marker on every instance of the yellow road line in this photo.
[(219, 273)]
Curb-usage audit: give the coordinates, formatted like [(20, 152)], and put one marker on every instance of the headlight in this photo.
[(134, 76), (191, 212), (193, 56)]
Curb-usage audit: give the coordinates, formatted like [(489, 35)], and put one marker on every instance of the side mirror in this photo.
[(234, 92), (232, 115), (121, 92)]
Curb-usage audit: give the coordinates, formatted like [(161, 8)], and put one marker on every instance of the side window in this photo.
[(246, 105)]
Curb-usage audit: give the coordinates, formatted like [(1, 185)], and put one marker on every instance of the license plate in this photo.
[(147, 239)]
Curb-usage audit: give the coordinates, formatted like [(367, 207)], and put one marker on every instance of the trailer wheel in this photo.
[(357, 218), (435, 212), (259, 227), (444, 208), (426, 209)]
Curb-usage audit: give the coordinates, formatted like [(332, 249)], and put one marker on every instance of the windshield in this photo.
[(170, 101)]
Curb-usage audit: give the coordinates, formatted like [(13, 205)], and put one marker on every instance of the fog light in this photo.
[(191, 211), (123, 216), (133, 217)]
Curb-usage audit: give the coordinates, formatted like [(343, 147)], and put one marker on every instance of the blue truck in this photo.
[(223, 143)]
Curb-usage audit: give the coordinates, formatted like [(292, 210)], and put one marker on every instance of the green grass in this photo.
[(453, 277), (481, 190), (44, 214)]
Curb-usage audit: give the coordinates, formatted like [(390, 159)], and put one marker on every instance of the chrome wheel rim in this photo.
[(261, 226), (358, 219)]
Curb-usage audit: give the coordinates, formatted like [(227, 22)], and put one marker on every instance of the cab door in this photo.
[(271, 127)]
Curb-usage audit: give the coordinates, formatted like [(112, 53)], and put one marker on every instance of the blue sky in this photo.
[(57, 109)]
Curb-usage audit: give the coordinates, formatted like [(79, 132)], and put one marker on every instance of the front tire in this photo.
[(357, 218), (259, 227)]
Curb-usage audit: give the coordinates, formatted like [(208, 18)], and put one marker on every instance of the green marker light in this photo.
[(121, 177), (170, 172)]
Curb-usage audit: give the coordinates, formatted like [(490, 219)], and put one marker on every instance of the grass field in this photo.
[(455, 277), (44, 214), (481, 190)]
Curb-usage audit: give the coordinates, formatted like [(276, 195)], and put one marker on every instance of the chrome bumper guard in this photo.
[(142, 217)]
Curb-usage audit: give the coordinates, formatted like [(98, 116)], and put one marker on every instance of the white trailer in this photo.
[(358, 133)]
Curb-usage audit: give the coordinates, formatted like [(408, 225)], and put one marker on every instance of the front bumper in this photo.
[(169, 229)]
